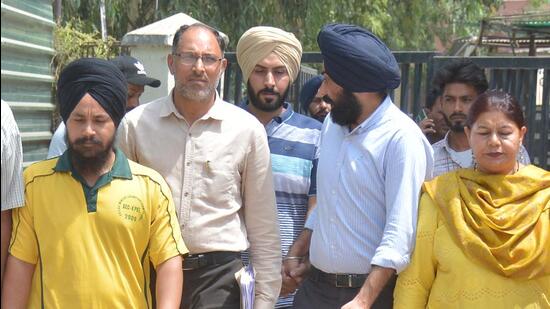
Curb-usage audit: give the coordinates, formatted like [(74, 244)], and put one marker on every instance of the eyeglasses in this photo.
[(191, 59)]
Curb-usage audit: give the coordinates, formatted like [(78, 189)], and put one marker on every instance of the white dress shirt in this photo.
[(368, 190)]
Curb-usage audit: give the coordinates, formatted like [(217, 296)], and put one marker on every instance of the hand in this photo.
[(297, 269), (289, 284), (427, 126), (356, 303)]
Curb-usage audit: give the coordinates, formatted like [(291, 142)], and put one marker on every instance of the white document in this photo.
[(245, 278)]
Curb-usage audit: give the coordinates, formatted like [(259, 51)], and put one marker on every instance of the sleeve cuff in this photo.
[(310, 222), (20, 255), (390, 258)]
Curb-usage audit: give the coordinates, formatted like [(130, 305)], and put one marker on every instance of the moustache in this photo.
[(459, 115), (268, 91), (85, 140)]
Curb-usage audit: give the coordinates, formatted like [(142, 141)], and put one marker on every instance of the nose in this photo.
[(494, 140), (198, 65), (458, 107), (88, 130), (269, 80)]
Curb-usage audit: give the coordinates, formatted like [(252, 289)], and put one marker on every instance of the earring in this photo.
[(474, 163)]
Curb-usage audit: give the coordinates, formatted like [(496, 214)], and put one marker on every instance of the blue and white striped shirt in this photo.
[(293, 140), (369, 184)]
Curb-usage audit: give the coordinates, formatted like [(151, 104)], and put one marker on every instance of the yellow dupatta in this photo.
[(501, 221)]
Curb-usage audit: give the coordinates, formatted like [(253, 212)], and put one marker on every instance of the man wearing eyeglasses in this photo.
[(215, 158)]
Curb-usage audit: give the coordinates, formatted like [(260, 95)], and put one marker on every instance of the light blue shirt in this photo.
[(58, 144), (368, 189)]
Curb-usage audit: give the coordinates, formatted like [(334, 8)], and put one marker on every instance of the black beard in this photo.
[(84, 164), (255, 100), (319, 118), (345, 108), (457, 128)]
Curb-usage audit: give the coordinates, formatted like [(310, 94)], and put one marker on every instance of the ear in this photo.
[(223, 64), (522, 132), (170, 62)]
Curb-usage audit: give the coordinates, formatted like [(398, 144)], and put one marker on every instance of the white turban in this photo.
[(258, 42)]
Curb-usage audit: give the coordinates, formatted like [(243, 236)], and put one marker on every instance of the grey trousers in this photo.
[(321, 295)]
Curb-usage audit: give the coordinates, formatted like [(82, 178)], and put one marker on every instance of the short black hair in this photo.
[(462, 71), (182, 29)]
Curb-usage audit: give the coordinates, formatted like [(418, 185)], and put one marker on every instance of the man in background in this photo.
[(312, 102), (460, 82), (433, 125), (270, 60)]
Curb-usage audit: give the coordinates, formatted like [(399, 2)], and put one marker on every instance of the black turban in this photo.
[(357, 60), (309, 90), (100, 79)]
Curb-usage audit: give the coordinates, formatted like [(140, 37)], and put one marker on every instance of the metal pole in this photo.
[(103, 20), (58, 11)]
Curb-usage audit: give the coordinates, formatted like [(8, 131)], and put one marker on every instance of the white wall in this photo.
[(154, 60)]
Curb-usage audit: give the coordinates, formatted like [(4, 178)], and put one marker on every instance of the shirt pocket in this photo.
[(217, 184)]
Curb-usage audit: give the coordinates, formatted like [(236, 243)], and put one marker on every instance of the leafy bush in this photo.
[(71, 43)]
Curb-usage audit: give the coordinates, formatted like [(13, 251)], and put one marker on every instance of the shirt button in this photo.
[(333, 191), (188, 163), (186, 194)]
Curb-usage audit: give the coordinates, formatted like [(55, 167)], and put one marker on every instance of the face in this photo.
[(455, 104), (319, 108), (90, 134), (134, 92), (268, 84), (345, 108), (495, 141), (197, 81), (436, 113)]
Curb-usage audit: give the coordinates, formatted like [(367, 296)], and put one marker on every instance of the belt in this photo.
[(338, 280), (196, 261)]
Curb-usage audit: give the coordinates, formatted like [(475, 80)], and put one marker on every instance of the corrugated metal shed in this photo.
[(27, 51)]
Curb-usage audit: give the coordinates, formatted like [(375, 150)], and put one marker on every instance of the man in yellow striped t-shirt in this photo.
[(93, 219)]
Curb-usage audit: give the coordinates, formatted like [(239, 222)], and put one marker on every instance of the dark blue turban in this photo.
[(309, 90), (100, 79), (357, 60)]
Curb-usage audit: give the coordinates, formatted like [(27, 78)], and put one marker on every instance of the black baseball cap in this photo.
[(134, 71)]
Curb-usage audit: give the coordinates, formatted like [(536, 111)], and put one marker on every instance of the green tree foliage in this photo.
[(404, 25), (71, 42)]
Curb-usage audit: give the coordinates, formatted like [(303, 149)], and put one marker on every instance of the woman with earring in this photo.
[(483, 236)]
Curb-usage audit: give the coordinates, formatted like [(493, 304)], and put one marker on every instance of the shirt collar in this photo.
[(120, 168), (446, 143), (168, 108)]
